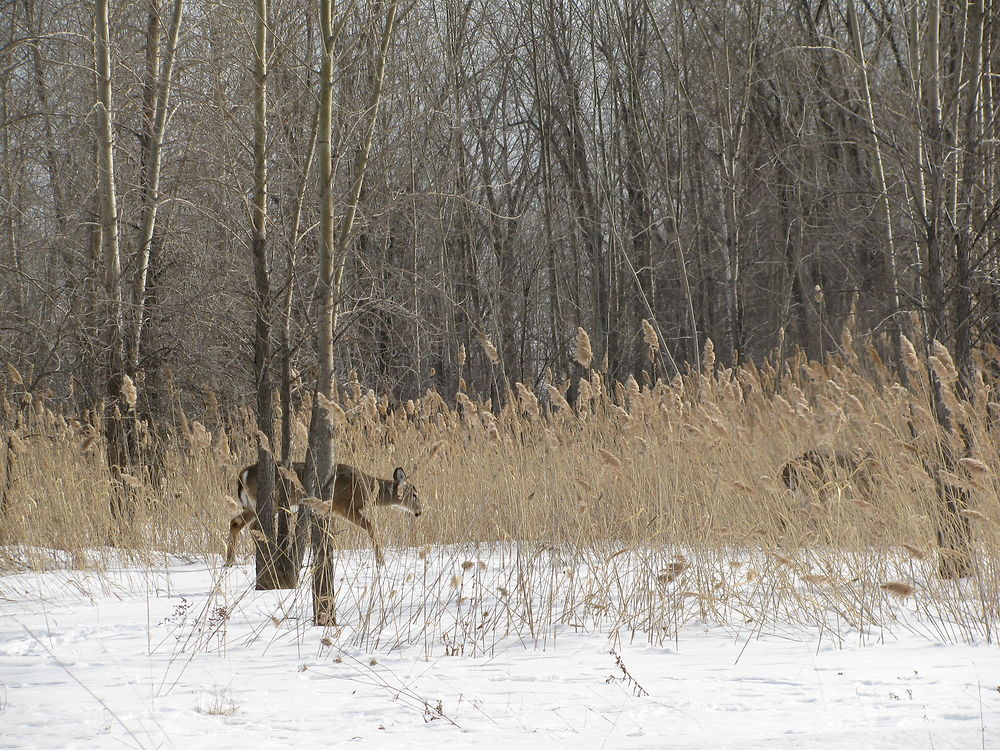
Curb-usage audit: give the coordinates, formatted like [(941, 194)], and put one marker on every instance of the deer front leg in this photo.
[(359, 520), (235, 527)]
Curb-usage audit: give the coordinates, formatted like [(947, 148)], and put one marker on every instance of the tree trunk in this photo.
[(119, 415), (268, 546), (320, 461)]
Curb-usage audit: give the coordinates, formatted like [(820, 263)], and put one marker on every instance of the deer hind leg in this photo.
[(357, 519), (235, 527)]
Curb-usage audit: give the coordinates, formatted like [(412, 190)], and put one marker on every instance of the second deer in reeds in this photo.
[(823, 472), (353, 491)]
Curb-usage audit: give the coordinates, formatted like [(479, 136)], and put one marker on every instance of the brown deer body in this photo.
[(821, 471), (353, 491)]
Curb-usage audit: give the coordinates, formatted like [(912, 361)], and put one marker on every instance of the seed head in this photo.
[(649, 334), (584, 353), (899, 589)]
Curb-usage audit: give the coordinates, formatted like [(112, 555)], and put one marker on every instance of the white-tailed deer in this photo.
[(822, 472), (353, 491)]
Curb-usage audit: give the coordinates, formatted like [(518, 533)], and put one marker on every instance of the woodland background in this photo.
[(764, 174)]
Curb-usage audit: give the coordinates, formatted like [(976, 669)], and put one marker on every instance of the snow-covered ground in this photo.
[(186, 655)]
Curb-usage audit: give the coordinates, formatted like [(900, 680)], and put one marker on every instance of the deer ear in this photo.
[(399, 476)]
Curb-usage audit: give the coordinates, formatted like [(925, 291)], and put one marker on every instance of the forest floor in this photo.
[(185, 654)]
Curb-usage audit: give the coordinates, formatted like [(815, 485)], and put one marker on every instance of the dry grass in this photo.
[(653, 504)]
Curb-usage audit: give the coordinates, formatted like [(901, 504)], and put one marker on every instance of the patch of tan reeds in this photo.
[(648, 466)]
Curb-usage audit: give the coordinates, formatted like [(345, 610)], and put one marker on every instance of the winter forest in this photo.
[(656, 312)]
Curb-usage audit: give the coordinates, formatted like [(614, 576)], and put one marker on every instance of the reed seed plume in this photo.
[(263, 442), (527, 399), (910, 359), (632, 389), (973, 515), (322, 508), (436, 448), (292, 478), (708, 357), (369, 407), (975, 467), (940, 369), (200, 435), (583, 352), (941, 353), (899, 589), (491, 351), (221, 444), (129, 391), (13, 374), (557, 399), (332, 412), (610, 458), (131, 481), (650, 337), (671, 572)]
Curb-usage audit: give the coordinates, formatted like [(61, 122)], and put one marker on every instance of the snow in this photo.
[(185, 654)]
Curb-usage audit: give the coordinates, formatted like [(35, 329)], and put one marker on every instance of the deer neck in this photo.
[(381, 493)]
